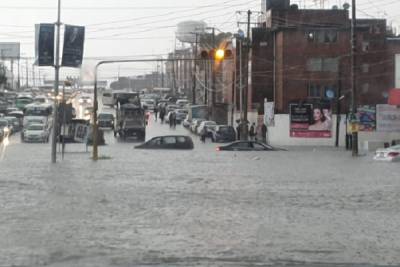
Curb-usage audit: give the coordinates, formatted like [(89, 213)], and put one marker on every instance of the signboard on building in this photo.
[(387, 118), (367, 118), (310, 121), (74, 37), (44, 44), (269, 114), (9, 51)]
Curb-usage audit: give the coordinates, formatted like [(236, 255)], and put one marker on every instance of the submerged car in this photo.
[(106, 120), (248, 146), (223, 133), (390, 154), (168, 142), (36, 133)]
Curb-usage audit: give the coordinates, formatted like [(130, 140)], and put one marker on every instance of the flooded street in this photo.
[(301, 207)]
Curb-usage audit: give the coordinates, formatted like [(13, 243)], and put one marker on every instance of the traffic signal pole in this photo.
[(56, 82)]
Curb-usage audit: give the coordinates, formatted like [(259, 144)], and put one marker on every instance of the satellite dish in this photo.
[(346, 6)]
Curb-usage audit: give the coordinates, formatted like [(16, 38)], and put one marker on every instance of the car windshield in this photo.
[(106, 116), (35, 127)]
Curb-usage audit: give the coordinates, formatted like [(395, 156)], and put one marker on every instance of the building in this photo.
[(301, 55)]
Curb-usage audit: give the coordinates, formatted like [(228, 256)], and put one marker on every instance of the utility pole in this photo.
[(27, 75), (194, 72), (354, 134), (56, 84), (213, 77)]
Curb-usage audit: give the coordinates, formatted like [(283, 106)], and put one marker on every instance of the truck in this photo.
[(130, 120)]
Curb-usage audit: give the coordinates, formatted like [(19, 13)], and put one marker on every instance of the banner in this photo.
[(44, 44), (387, 118), (74, 37), (367, 118), (81, 133), (9, 51), (310, 121), (269, 115)]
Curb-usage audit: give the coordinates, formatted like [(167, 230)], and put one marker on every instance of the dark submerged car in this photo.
[(248, 146), (168, 142)]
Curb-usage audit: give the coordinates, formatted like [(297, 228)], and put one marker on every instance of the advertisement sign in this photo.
[(269, 115), (81, 133), (367, 118), (74, 37), (9, 51), (310, 121), (387, 118), (44, 44)]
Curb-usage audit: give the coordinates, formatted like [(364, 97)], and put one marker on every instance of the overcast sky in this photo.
[(131, 28)]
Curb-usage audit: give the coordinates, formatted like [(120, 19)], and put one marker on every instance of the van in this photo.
[(107, 98)]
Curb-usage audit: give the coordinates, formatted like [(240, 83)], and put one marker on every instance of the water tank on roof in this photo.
[(277, 4)]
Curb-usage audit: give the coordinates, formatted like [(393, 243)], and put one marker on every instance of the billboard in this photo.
[(387, 118), (310, 121), (269, 113), (44, 44), (367, 118), (9, 51), (74, 37)]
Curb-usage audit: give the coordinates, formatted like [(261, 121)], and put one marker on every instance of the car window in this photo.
[(258, 146), (180, 139), (169, 140), (155, 142), (241, 145)]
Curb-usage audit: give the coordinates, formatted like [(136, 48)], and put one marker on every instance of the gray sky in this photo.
[(130, 28)]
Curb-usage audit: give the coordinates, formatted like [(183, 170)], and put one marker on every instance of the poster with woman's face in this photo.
[(310, 121)]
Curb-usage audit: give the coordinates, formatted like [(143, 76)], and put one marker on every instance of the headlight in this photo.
[(6, 129), (89, 100), (80, 100)]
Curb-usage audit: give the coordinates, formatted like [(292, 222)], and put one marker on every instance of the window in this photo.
[(181, 139), (155, 142), (322, 36), (258, 146), (365, 46), (169, 140), (323, 64), (314, 91), (365, 68), (241, 145)]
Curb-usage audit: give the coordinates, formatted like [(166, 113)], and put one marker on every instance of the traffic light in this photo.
[(216, 54)]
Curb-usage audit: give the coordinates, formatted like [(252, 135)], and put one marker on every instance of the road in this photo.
[(303, 207)]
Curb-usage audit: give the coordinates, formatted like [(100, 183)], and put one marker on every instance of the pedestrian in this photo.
[(238, 131), (203, 134), (174, 119), (171, 119), (252, 132), (155, 112), (264, 131)]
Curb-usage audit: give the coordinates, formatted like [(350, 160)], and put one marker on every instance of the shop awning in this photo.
[(394, 97)]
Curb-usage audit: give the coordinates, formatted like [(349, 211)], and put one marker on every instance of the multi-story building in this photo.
[(305, 55)]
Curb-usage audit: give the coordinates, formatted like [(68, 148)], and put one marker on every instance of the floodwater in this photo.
[(303, 207)]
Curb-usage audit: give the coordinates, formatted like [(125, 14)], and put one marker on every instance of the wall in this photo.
[(279, 135)]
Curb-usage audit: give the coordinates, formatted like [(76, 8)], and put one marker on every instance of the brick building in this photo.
[(305, 55)]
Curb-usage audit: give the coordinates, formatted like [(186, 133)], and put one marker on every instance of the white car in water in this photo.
[(36, 133), (390, 154)]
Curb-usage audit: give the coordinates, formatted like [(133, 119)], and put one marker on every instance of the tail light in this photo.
[(218, 148), (393, 154)]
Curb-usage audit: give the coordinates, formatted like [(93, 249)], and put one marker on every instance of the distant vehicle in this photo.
[(107, 98), (248, 146), (181, 115), (22, 100), (18, 114), (391, 154), (38, 113), (9, 110), (196, 124), (172, 107), (168, 142), (148, 104), (4, 127), (87, 113), (13, 124), (187, 122), (223, 133), (206, 124), (130, 117), (106, 120), (85, 100), (182, 102), (36, 133), (40, 99)]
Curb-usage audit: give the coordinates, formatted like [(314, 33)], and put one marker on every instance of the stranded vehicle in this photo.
[(130, 116)]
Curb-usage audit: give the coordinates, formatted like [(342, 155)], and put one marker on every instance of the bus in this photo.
[(107, 98), (22, 100)]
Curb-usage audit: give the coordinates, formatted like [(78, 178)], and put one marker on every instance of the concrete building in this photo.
[(304, 55)]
